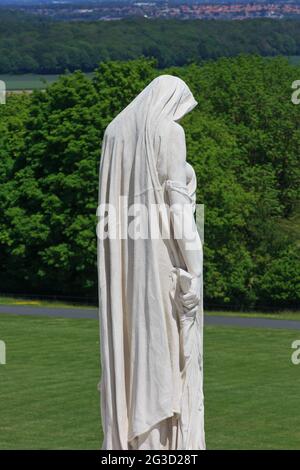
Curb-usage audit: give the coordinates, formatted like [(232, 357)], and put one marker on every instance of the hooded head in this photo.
[(166, 98), (142, 130), (171, 97)]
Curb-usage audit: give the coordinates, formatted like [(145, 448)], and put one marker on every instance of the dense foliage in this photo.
[(39, 45), (243, 140)]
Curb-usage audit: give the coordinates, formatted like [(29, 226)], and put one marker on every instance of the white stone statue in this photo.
[(150, 279)]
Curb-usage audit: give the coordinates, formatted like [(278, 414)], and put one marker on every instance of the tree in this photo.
[(242, 139)]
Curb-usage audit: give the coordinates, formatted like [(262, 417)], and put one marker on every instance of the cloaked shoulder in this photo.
[(176, 131), (109, 129), (177, 141), (176, 153)]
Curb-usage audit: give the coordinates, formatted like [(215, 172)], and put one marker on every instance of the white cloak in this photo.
[(147, 375)]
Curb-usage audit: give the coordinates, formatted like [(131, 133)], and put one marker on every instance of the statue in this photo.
[(150, 279)]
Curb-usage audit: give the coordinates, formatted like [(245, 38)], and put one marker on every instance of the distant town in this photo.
[(108, 11)]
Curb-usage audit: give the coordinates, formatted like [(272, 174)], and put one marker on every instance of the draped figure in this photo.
[(151, 319)]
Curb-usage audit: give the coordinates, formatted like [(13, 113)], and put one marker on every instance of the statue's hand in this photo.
[(191, 299)]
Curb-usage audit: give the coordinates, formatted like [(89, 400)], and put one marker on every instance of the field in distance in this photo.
[(29, 82)]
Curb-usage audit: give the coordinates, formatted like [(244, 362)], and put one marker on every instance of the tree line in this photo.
[(39, 45)]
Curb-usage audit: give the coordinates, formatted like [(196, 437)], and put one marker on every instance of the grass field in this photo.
[(294, 59), (48, 388), (49, 397), (252, 389), (29, 81)]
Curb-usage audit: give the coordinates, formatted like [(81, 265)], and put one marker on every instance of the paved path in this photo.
[(252, 322), (49, 311), (221, 320)]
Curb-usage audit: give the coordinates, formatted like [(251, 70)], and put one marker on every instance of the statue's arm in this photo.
[(181, 210)]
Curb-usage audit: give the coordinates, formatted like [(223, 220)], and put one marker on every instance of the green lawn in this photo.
[(49, 397), (48, 388), (252, 389)]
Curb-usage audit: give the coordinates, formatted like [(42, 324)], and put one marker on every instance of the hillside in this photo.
[(31, 44)]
